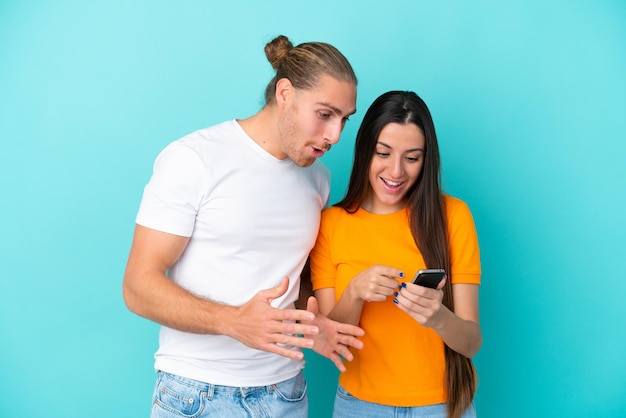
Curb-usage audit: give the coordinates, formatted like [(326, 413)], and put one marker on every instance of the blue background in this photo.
[(529, 100)]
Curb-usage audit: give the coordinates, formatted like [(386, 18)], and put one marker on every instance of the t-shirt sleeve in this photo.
[(323, 270), (173, 195), (464, 250)]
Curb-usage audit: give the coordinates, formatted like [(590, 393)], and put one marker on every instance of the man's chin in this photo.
[(304, 162)]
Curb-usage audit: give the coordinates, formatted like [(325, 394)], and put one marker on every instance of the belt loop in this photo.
[(210, 392)]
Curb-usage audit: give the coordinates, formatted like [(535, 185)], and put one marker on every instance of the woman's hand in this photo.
[(422, 304), (460, 330), (374, 284)]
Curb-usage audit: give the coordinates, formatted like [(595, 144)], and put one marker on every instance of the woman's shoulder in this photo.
[(455, 205), (457, 211), (332, 212), (453, 201)]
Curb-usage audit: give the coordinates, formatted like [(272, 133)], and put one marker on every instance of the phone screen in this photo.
[(429, 277)]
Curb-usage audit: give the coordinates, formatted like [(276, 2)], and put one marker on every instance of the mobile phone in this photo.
[(429, 277)]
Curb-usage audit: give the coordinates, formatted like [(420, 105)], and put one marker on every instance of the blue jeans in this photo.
[(347, 406), (176, 396)]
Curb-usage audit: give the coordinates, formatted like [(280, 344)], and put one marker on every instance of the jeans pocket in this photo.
[(178, 398), (344, 394), (292, 390)]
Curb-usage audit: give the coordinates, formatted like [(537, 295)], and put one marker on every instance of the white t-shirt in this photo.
[(252, 220)]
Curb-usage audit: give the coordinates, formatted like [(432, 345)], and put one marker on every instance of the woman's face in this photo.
[(397, 163)]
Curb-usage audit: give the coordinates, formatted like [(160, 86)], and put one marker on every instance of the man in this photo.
[(223, 232)]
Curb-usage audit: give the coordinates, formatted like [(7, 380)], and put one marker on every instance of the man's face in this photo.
[(313, 119)]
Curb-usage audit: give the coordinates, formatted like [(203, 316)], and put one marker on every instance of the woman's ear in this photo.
[(284, 92)]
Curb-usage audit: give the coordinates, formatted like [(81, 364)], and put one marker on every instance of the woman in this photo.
[(394, 221)]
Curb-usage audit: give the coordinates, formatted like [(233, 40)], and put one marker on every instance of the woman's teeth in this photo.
[(392, 183)]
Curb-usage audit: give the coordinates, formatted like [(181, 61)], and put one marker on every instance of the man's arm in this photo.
[(148, 292)]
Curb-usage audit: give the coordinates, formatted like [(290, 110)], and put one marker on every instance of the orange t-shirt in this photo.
[(402, 363)]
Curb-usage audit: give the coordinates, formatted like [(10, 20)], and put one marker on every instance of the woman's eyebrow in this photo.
[(390, 147)]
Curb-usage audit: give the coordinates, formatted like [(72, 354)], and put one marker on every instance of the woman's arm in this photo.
[(372, 285), (460, 330)]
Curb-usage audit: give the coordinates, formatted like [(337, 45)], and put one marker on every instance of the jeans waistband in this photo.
[(211, 388)]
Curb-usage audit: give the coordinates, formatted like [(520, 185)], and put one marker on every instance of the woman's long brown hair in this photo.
[(427, 215)]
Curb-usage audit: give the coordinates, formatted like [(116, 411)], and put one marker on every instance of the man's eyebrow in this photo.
[(335, 109)]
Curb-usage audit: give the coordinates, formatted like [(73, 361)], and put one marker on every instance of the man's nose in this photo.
[(333, 133)]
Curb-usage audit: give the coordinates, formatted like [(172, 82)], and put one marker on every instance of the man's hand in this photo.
[(334, 338), (259, 325)]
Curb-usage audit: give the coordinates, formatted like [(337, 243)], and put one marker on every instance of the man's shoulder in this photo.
[(218, 131), (208, 142)]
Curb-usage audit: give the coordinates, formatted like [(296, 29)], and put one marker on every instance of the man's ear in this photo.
[(284, 92)]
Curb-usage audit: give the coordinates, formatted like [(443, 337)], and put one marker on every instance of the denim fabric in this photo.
[(176, 396), (347, 406)]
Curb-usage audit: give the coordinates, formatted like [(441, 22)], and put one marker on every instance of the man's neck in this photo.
[(262, 128)]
